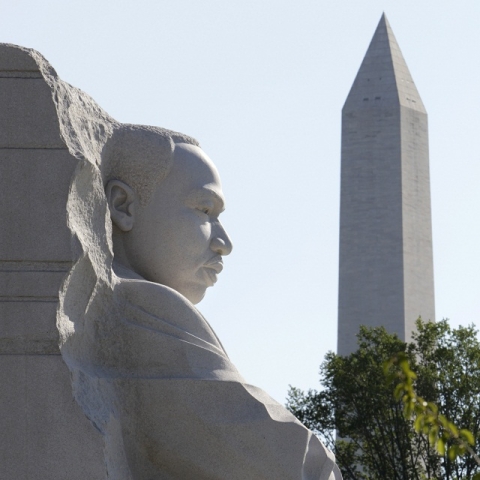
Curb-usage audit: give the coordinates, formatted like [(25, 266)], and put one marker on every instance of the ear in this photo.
[(121, 200)]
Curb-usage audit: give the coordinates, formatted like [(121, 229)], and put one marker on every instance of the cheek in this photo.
[(196, 227), (205, 230), (198, 238), (188, 238)]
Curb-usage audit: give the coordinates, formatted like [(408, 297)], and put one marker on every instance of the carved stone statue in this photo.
[(147, 369)]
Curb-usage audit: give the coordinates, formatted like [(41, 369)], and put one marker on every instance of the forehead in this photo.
[(193, 171)]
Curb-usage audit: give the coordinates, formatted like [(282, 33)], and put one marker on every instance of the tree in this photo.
[(357, 402), (449, 375), (443, 434)]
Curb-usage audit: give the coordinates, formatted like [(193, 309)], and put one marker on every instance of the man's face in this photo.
[(177, 239)]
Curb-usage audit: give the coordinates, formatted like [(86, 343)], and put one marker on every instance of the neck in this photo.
[(121, 263)]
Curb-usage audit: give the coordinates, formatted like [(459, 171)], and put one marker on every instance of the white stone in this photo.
[(386, 261), (44, 433), (146, 367)]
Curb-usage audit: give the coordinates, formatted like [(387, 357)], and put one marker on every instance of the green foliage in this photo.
[(441, 433), (356, 401)]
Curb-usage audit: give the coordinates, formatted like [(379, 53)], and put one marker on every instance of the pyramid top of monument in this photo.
[(383, 78)]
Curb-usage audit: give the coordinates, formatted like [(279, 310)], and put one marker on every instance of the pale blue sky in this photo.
[(261, 85)]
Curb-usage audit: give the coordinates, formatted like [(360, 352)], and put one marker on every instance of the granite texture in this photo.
[(127, 239), (34, 185), (44, 433)]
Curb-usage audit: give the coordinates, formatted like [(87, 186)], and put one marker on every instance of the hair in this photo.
[(140, 156)]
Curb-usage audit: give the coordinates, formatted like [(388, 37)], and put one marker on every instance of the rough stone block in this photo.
[(41, 423), (15, 59), (21, 126), (30, 283), (33, 193), (28, 327)]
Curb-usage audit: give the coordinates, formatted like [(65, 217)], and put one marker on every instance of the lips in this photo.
[(215, 264), (212, 269)]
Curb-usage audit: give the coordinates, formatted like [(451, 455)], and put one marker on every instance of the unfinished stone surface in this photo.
[(386, 261), (147, 369), (44, 432)]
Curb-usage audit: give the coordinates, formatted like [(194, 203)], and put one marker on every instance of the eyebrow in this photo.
[(207, 192)]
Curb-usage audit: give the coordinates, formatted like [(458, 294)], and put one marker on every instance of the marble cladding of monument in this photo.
[(110, 236), (386, 260)]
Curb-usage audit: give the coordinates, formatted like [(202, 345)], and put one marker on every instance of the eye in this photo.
[(206, 207), (205, 210)]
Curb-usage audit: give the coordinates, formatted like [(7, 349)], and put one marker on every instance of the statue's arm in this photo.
[(204, 421)]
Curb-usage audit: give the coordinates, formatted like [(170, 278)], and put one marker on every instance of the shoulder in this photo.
[(153, 305), (149, 295)]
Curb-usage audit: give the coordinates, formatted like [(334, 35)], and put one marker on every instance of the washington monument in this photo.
[(386, 264)]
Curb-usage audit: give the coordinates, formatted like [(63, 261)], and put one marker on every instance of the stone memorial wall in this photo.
[(44, 433)]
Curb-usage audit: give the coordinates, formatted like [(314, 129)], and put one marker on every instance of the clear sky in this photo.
[(261, 84)]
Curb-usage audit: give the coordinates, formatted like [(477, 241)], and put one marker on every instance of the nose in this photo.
[(221, 242)]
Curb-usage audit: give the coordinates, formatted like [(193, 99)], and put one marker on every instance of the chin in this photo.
[(193, 292), (195, 296)]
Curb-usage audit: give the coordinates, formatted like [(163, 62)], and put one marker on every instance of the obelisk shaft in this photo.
[(386, 265)]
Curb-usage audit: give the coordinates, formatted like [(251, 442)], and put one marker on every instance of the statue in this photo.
[(146, 367)]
